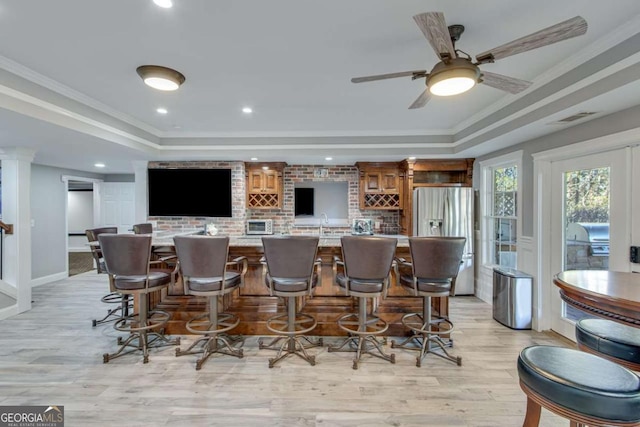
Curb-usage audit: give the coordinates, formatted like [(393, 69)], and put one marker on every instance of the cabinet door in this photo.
[(372, 182), (255, 181), (270, 181), (390, 182)]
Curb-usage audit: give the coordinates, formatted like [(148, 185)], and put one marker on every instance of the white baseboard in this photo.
[(8, 289), (79, 249), (48, 279), (7, 312)]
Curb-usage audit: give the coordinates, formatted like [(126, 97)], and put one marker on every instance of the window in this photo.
[(500, 211)]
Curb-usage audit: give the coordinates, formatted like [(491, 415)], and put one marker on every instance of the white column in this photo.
[(16, 210), (141, 207)]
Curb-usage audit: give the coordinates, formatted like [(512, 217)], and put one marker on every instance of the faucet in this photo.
[(324, 220)]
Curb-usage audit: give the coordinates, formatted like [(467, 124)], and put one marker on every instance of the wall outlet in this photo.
[(376, 225)]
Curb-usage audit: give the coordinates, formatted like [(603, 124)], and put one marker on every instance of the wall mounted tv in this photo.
[(189, 192), (303, 204)]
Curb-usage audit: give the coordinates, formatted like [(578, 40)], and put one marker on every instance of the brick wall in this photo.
[(282, 218)]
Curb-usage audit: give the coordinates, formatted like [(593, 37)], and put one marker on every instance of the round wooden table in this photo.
[(610, 294)]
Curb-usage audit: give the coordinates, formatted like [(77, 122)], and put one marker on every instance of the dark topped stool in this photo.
[(585, 388), (612, 340)]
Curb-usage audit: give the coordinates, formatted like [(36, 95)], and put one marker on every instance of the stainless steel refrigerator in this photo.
[(448, 211)]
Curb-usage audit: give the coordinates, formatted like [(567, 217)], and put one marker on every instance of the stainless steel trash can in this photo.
[(512, 297)]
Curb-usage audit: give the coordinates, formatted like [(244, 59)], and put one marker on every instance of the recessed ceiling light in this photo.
[(162, 110), (161, 78), (328, 158), (164, 3), (99, 165), (253, 159), (247, 110)]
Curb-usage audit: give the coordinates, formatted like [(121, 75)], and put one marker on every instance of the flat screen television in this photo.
[(303, 204), (189, 192)]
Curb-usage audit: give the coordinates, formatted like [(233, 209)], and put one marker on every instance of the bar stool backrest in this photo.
[(436, 257), (126, 254), (290, 256), (368, 257), (145, 228), (202, 256)]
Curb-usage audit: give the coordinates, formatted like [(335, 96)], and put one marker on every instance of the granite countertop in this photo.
[(325, 241), (166, 238)]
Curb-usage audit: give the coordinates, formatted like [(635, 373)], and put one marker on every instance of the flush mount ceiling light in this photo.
[(161, 78), (164, 3), (453, 77), (247, 110), (99, 165)]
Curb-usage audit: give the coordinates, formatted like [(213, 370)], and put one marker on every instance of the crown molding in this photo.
[(361, 146), (309, 134), (35, 107), (624, 32), (61, 89), (564, 92)]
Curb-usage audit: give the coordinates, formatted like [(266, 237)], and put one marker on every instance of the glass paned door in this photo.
[(589, 227)]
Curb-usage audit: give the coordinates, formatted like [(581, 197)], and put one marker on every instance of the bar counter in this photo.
[(254, 306)]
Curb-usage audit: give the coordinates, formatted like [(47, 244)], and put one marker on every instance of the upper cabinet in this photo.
[(441, 172), (264, 185), (380, 185)]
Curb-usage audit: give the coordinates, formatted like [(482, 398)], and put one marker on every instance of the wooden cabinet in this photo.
[(445, 172), (263, 181), (380, 185), (384, 181), (264, 185)]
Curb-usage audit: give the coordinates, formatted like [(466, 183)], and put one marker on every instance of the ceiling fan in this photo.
[(456, 72)]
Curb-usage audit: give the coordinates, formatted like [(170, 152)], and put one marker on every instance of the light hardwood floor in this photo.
[(52, 356)]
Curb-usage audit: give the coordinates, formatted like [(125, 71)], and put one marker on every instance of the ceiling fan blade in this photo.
[(421, 101), (506, 83), (435, 29), (418, 73), (573, 27)]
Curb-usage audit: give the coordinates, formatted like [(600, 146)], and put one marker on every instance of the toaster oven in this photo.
[(259, 226)]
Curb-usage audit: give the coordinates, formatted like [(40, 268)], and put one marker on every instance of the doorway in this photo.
[(81, 204)]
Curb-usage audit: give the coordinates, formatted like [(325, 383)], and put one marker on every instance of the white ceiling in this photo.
[(69, 90)]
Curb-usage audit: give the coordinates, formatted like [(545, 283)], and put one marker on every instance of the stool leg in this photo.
[(425, 339), (365, 342), (142, 331), (532, 419), (214, 341), (291, 336)]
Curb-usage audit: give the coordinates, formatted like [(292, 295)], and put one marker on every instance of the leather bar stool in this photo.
[(207, 273), (123, 301), (366, 267), (612, 340), (435, 262), (127, 260), (586, 389), (165, 255), (291, 270)]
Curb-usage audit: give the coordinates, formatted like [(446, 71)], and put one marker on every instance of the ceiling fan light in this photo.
[(450, 86), (452, 78), (160, 78)]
